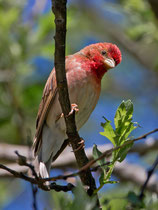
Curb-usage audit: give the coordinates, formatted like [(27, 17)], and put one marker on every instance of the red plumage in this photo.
[(84, 71)]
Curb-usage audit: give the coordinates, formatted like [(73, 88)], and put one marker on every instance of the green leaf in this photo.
[(126, 130), (101, 178), (111, 182), (123, 121), (108, 131), (123, 152), (82, 200), (97, 154), (118, 136), (123, 113)]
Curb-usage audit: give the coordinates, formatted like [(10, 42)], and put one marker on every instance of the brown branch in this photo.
[(39, 182), (154, 6), (22, 159), (59, 9), (126, 172), (34, 194), (65, 177), (149, 174), (18, 174)]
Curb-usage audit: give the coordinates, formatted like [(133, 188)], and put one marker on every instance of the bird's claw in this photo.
[(82, 146), (74, 107)]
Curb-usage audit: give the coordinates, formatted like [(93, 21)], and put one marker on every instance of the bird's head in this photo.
[(102, 57)]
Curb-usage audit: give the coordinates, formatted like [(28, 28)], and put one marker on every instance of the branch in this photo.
[(154, 6), (150, 173), (126, 172), (105, 154), (34, 194), (38, 181), (110, 151), (7, 152), (136, 174), (59, 9)]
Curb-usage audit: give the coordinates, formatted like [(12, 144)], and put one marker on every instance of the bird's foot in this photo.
[(81, 145), (74, 107)]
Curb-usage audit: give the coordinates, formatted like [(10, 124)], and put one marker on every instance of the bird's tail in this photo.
[(42, 169)]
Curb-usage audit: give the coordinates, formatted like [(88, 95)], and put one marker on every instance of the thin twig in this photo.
[(105, 154), (23, 161), (58, 188), (65, 177), (38, 182), (149, 174), (33, 187), (110, 151), (34, 194)]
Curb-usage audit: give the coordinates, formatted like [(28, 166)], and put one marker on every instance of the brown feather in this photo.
[(49, 94)]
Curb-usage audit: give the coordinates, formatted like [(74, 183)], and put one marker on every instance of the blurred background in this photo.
[(26, 59)]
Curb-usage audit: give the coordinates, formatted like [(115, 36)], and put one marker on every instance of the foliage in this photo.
[(21, 41), (142, 27), (143, 22), (119, 198), (118, 136), (26, 59), (80, 201)]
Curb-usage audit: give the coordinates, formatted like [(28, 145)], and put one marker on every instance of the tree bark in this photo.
[(59, 9)]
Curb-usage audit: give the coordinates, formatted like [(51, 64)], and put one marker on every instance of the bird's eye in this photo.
[(103, 52)]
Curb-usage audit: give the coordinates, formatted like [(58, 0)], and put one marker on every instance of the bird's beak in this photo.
[(109, 63)]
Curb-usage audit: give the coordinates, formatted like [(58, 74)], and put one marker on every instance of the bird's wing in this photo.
[(48, 97)]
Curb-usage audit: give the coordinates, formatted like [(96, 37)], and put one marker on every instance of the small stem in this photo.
[(150, 173)]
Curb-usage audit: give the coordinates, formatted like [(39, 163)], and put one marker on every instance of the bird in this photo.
[(84, 72)]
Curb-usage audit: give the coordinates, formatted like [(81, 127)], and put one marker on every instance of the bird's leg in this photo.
[(74, 107)]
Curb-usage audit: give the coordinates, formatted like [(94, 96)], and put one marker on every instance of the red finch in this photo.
[(84, 71)]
